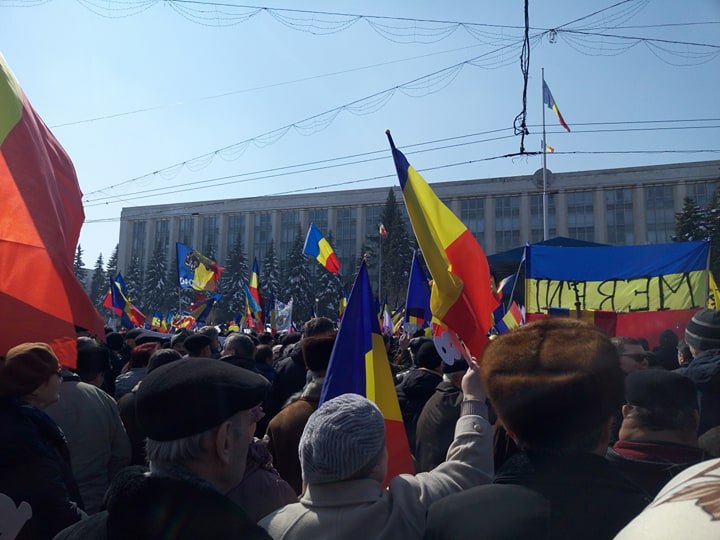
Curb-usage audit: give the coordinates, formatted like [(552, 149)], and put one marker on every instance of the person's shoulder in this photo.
[(281, 521), (91, 528)]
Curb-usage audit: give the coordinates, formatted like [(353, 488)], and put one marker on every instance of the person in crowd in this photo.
[(130, 344), (35, 469), (436, 423), (686, 507), (658, 435), (126, 406), (405, 359), (554, 384), (665, 354), (89, 418), (199, 346), (214, 334), (284, 431), (290, 372), (710, 442), (266, 338), (177, 342), (264, 361), (136, 369), (198, 417), (114, 342), (633, 356), (684, 356), (239, 351), (703, 337), (344, 462), (417, 386)]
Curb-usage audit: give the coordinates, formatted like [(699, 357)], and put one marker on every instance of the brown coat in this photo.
[(283, 436)]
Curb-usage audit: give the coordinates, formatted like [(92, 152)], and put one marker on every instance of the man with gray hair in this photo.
[(239, 350), (199, 416), (344, 462)]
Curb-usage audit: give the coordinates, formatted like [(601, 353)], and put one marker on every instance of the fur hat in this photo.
[(25, 368), (317, 351), (553, 381)]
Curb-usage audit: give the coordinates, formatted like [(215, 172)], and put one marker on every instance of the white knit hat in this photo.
[(344, 435)]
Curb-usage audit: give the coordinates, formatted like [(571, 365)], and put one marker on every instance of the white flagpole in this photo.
[(544, 165)]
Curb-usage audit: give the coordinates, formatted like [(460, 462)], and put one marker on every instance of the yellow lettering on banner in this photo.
[(685, 290)]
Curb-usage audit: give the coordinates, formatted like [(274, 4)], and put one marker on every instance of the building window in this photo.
[(289, 223), (619, 211), (186, 231), (162, 233), (536, 217), (507, 223), (372, 223), (701, 193), (472, 214), (210, 236), (235, 227), (345, 219), (138, 242), (581, 221), (659, 213), (319, 216), (262, 235)]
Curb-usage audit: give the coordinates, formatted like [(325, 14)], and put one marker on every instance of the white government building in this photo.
[(634, 205)]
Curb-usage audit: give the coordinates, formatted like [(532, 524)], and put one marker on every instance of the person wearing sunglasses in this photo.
[(633, 356)]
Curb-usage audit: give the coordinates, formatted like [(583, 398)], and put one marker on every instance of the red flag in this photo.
[(40, 298)]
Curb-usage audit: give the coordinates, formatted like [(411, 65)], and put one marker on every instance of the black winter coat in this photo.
[(544, 498), (290, 378), (704, 371), (436, 426), (35, 469), (413, 393)]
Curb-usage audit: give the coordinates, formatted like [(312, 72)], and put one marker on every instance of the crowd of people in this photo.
[(557, 432)]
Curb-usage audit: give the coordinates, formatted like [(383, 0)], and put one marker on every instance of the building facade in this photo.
[(634, 205)]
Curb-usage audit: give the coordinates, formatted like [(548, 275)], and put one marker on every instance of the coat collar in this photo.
[(346, 493)]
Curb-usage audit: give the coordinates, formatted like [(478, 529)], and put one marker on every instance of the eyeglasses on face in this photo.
[(638, 357)]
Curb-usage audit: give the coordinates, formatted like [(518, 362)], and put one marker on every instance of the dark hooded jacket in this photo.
[(413, 393), (704, 371), (35, 469), (436, 426), (290, 378)]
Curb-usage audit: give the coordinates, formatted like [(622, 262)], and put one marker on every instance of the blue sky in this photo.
[(75, 64)]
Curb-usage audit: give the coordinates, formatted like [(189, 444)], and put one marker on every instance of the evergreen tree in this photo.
[(134, 282), (210, 251), (112, 265), (691, 222), (99, 285), (155, 290), (233, 280), (329, 289), (271, 275), (297, 279), (397, 250), (78, 265)]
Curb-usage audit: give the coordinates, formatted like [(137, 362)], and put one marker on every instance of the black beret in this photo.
[(427, 356), (192, 395), (659, 389), (197, 342)]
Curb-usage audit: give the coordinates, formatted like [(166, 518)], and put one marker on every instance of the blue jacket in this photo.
[(704, 371), (35, 469)]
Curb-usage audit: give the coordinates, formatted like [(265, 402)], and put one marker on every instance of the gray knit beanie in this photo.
[(344, 435)]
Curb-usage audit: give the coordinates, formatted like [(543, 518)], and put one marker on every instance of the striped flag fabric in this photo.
[(359, 365), (549, 101), (417, 303), (512, 319), (317, 246), (256, 310), (461, 298), (40, 223)]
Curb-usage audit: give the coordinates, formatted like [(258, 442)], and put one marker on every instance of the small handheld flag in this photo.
[(549, 101), (316, 245)]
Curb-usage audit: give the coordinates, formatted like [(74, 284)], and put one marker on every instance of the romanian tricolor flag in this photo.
[(130, 316), (257, 312), (40, 298), (200, 310), (316, 245), (253, 311), (549, 101), (417, 304), (460, 296), (156, 321), (549, 149), (513, 318), (359, 365)]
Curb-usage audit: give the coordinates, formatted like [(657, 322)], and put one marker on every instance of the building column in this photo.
[(680, 192), (525, 218), (174, 230), (249, 241), (359, 230), (332, 221), (304, 219), (561, 213), (275, 227), (600, 216), (220, 249), (149, 242), (639, 223), (124, 245), (456, 206), (489, 211), (197, 233)]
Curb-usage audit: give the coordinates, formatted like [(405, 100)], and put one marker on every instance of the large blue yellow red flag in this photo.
[(130, 316), (258, 315), (460, 295), (200, 311), (316, 245), (549, 101), (195, 270), (359, 365), (417, 303)]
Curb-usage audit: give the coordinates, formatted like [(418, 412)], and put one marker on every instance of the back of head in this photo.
[(239, 345), (668, 339), (263, 354), (266, 339), (427, 356), (703, 331), (318, 326), (553, 382), (114, 341), (344, 437), (141, 354), (210, 331), (25, 367), (161, 357), (92, 358), (317, 351), (196, 344), (620, 342)]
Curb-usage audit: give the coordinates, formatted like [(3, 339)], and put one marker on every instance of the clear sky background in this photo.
[(85, 59)]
